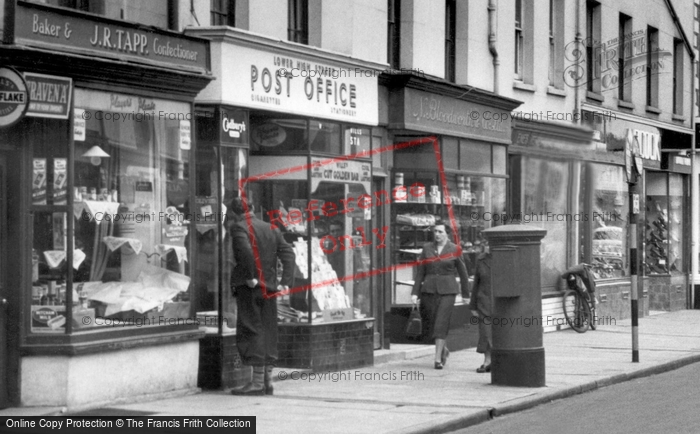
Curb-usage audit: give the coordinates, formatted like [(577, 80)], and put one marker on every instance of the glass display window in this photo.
[(328, 223), (214, 217), (324, 137), (131, 216), (477, 202), (356, 140), (663, 253), (603, 230), (540, 197), (277, 134), (610, 223)]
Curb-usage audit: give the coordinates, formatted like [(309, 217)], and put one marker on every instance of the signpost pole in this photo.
[(634, 215), (633, 169)]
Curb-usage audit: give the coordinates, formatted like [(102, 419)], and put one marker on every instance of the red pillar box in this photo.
[(518, 351)]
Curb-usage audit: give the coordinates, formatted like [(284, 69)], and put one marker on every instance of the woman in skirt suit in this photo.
[(436, 287)]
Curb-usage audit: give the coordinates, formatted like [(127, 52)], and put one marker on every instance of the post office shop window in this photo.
[(356, 140), (207, 207), (131, 217), (324, 137), (339, 232), (274, 134), (664, 223)]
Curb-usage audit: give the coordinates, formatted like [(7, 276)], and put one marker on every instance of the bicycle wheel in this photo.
[(576, 311)]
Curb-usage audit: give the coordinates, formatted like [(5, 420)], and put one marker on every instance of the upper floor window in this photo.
[(593, 46), (223, 13), (393, 52), (519, 39), (624, 51), (298, 21), (556, 43), (678, 76), (450, 38), (524, 41), (652, 74)]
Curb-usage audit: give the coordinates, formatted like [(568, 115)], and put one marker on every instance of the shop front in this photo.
[(96, 216), (570, 184), (573, 181), (460, 176), (292, 126), (664, 219)]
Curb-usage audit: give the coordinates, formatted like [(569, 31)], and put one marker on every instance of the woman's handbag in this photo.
[(414, 326)]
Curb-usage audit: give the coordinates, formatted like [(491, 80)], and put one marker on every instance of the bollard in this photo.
[(517, 356)]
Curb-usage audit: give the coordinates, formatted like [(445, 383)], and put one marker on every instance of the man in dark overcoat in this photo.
[(256, 248)]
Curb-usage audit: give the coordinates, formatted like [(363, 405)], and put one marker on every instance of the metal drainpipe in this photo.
[(492, 43), (694, 206), (577, 90)]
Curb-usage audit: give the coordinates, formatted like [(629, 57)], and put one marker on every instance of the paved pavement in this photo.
[(406, 395)]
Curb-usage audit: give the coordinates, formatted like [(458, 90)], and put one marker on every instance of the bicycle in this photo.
[(578, 299)]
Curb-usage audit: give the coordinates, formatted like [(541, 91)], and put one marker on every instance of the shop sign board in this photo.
[(14, 99), (79, 125), (295, 83), (345, 171), (233, 126), (437, 114), (49, 95), (185, 134), (68, 31), (633, 156), (340, 314), (649, 144), (620, 132)]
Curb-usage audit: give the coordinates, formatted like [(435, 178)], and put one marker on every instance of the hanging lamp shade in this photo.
[(96, 154)]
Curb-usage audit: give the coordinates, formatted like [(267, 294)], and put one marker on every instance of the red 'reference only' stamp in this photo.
[(377, 238)]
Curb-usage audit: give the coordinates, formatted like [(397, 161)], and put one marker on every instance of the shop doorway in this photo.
[(4, 350)]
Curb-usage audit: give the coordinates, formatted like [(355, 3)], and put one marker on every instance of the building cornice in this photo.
[(566, 132), (435, 85), (635, 118), (89, 68)]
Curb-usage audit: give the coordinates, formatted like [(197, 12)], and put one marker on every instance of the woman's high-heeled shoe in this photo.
[(438, 365), (445, 355), (484, 368)]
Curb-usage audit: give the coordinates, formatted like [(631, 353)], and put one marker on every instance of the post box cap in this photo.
[(522, 232)]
